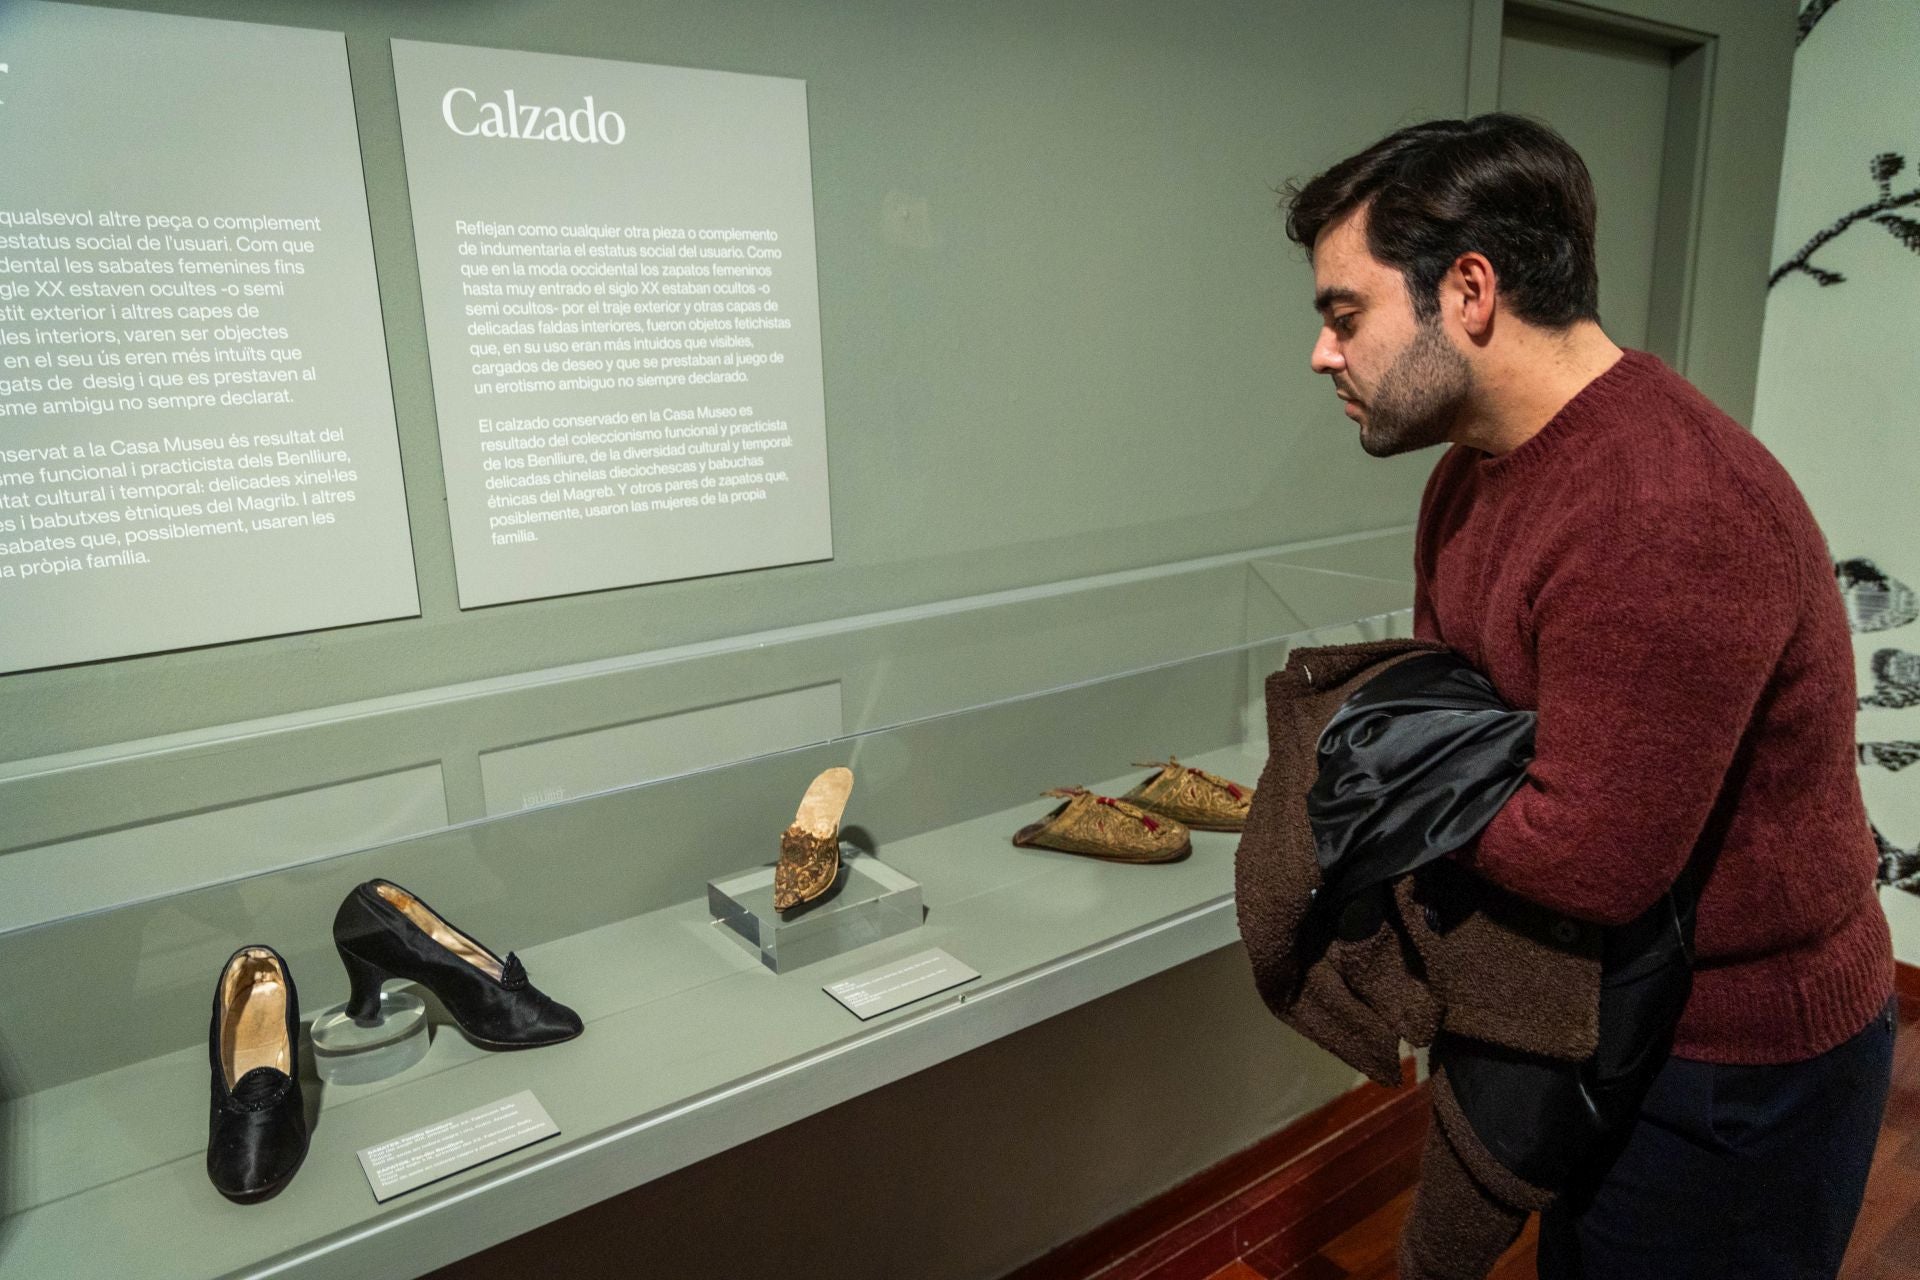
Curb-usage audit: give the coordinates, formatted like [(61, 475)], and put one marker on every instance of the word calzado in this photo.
[(470, 117)]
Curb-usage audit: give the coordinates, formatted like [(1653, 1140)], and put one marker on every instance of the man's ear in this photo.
[(1474, 282)]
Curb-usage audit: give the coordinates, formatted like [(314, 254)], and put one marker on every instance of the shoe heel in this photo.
[(364, 979)]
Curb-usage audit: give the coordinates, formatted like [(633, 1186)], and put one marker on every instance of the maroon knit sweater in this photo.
[(1646, 576)]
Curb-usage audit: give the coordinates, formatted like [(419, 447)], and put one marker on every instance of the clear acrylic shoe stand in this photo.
[(346, 1052), (868, 901)]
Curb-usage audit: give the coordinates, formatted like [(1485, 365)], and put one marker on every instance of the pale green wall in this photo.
[(1840, 366)]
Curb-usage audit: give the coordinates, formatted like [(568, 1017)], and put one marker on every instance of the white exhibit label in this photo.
[(197, 435), (440, 1150), (617, 268), (914, 977)]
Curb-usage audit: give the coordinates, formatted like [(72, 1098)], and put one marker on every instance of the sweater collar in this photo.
[(1592, 408)]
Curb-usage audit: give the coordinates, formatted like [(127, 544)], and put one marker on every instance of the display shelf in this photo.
[(692, 1046)]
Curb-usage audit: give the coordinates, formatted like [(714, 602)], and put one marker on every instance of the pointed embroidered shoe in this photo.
[(1201, 800), (1102, 827), (810, 848), (381, 931), (257, 1130)]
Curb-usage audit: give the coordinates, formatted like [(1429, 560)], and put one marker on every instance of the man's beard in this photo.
[(1419, 396)]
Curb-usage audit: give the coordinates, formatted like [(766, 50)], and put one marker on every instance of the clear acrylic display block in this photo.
[(345, 1052), (869, 900)]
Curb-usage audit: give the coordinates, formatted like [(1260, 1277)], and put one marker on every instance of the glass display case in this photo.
[(692, 1044)]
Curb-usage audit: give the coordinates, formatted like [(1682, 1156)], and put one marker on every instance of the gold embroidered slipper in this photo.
[(1102, 827), (810, 848), (1201, 800)]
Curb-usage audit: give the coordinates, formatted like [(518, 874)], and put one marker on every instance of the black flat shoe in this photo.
[(382, 931), (257, 1134)]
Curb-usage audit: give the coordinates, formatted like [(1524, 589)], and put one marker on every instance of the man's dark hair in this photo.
[(1500, 185)]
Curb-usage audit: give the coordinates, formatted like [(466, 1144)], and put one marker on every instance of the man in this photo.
[(1621, 557)]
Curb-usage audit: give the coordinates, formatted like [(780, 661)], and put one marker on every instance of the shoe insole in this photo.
[(440, 931), (1146, 784), (825, 801), (253, 1022), (1026, 835)]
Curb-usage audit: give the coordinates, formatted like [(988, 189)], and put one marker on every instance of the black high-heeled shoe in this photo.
[(382, 931), (257, 1132)]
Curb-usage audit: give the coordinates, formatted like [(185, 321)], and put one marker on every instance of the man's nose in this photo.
[(1326, 356)]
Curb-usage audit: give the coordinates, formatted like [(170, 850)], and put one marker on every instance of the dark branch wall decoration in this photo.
[(1810, 17), (1884, 167), (1834, 395)]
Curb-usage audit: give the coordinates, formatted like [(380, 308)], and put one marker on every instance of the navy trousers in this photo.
[(1741, 1173)]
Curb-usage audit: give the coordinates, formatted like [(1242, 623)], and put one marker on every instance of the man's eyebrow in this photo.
[(1326, 299)]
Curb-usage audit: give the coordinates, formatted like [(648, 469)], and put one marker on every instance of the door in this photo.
[(1630, 102)]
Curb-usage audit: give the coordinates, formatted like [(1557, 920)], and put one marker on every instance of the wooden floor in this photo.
[(1886, 1242)]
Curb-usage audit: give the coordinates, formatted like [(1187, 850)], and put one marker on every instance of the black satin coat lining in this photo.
[(1412, 767)]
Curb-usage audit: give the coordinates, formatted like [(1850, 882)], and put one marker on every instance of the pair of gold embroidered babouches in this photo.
[(1151, 823)]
